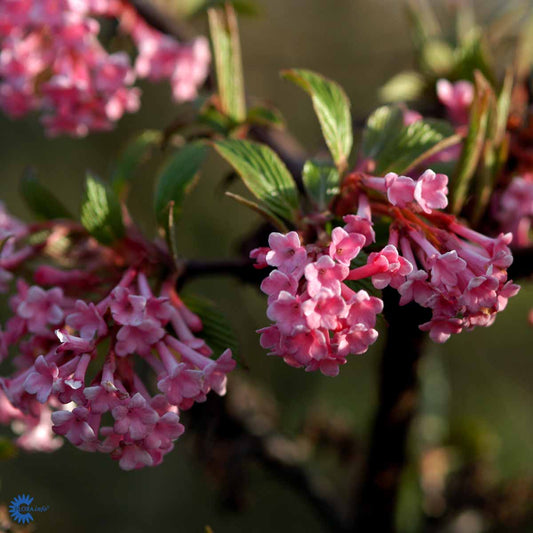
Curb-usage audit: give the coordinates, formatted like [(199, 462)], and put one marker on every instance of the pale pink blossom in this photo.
[(457, 98), (286, 253), (400, 189), (431, 191)]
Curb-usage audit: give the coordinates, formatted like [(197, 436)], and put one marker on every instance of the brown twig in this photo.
[(398, 397), (217, 428)]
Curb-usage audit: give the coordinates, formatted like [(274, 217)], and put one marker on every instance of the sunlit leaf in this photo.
[(263, 172), (473, 144), (394, 147), (228, 63), (332, 108), (321, 180), (101, 213)]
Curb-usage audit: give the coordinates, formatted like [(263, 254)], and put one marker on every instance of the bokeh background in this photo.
[(477, 396)]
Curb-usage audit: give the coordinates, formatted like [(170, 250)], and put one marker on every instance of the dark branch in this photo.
[(240, 268), (217, 428), (398, 398)]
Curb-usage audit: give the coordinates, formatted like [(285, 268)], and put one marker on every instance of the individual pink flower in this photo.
[(345, 246), (286, 252), (400, 189), (324, 310), (481, 292), (259, 255), (87, 319), (138, 338), (41, 380), (363, 309), (445, 267), (356, 340), (74, 426), (457, 98), (40, 308), (360, 225), (287, 311), (276, 282), (431, 191), (325, 274), (181, 383), (135, 417), (440, 329), (132, 456), (126, 307), (166, 430), (416, 288)]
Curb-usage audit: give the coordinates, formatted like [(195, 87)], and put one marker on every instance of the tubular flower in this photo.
[(81, 363), (51, 61)]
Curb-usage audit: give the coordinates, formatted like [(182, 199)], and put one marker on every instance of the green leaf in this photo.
[(217, 331), (414, 140), (176, 180), (263, 211), (130, 159), (228, 63), (473, 144), (503, 106), (101, 213), (395, 147), (321, 180), (216, 120), (333, 110), (265, 116), (263, 172), (452, 140), (40, 199), (383, 124), (403, 87)]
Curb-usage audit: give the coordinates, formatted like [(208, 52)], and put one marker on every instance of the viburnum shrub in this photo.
[(101, 347)]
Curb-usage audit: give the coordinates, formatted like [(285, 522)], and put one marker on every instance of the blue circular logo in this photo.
[(18, 509)]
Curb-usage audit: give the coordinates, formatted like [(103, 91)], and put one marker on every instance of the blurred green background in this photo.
[(480, 380)]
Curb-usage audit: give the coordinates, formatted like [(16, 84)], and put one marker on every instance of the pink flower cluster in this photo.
[(430, 258), (318, 319), (82, 366), (52, 61)]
